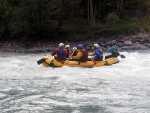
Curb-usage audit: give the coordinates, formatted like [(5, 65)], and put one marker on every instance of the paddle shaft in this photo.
[(71, 56)]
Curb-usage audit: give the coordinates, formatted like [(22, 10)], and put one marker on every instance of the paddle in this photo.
[(122, 56), (70, 57), (47, 50), (40, 61), (43, 59), (93, 60)]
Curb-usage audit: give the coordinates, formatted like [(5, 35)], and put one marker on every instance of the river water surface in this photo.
[(26, 87)]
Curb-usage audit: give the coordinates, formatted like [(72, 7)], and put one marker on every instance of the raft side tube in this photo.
[(50, 62), (111, 61)]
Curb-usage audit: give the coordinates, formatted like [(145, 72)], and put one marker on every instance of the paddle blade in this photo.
[(46, 50), (92, 59), (122, 56), (40, 61), (68, 60)]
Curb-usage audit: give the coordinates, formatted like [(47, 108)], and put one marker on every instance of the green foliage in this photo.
[(46, 19), (31, 19), (137, 4), (126, 27), (112, 18)]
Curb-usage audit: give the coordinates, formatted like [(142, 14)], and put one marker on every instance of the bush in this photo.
[(112, 17), (124, 27)]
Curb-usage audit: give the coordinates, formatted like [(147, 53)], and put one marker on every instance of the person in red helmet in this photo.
[(60, 53)]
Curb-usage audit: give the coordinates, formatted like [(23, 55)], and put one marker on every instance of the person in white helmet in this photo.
[(60, 53), (74, 51), (98, 53), (67, 49)]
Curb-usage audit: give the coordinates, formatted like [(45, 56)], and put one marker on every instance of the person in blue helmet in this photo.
[(82, 54), (114, 49)]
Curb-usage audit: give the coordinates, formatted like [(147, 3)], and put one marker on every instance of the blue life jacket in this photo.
[(98, 53), (60, 53)]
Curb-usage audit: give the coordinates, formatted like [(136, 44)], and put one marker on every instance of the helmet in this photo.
[(96, 45), (80, 46), (74, 48), (67, 46), (61, 44)]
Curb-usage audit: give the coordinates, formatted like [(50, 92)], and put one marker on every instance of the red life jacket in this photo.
[(84, 55), (67, 53)]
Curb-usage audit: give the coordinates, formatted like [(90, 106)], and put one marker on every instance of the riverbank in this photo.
[(140, 41)]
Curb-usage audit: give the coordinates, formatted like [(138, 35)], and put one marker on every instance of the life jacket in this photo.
[(116, 51), (101, 52), (67, 53), (98, 53), (61, 53), (84, 55)]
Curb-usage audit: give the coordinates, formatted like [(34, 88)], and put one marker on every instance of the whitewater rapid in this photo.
[(26, 87)]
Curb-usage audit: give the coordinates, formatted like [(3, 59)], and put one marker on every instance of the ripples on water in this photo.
[(26, 87)]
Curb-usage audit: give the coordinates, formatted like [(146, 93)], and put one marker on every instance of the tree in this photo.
[(119, 7), (5, 18)]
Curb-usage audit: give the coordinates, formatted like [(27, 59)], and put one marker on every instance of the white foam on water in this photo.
[(122, 87), (25, 66)]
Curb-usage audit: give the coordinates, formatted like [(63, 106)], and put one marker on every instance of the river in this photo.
[(26, 87)]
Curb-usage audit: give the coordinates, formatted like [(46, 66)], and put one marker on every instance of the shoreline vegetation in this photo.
[(38, 25)]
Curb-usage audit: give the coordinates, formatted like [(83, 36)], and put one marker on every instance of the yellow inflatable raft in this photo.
[(50, 62)]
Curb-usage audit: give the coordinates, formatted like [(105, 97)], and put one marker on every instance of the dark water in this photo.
[(26, 87)]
